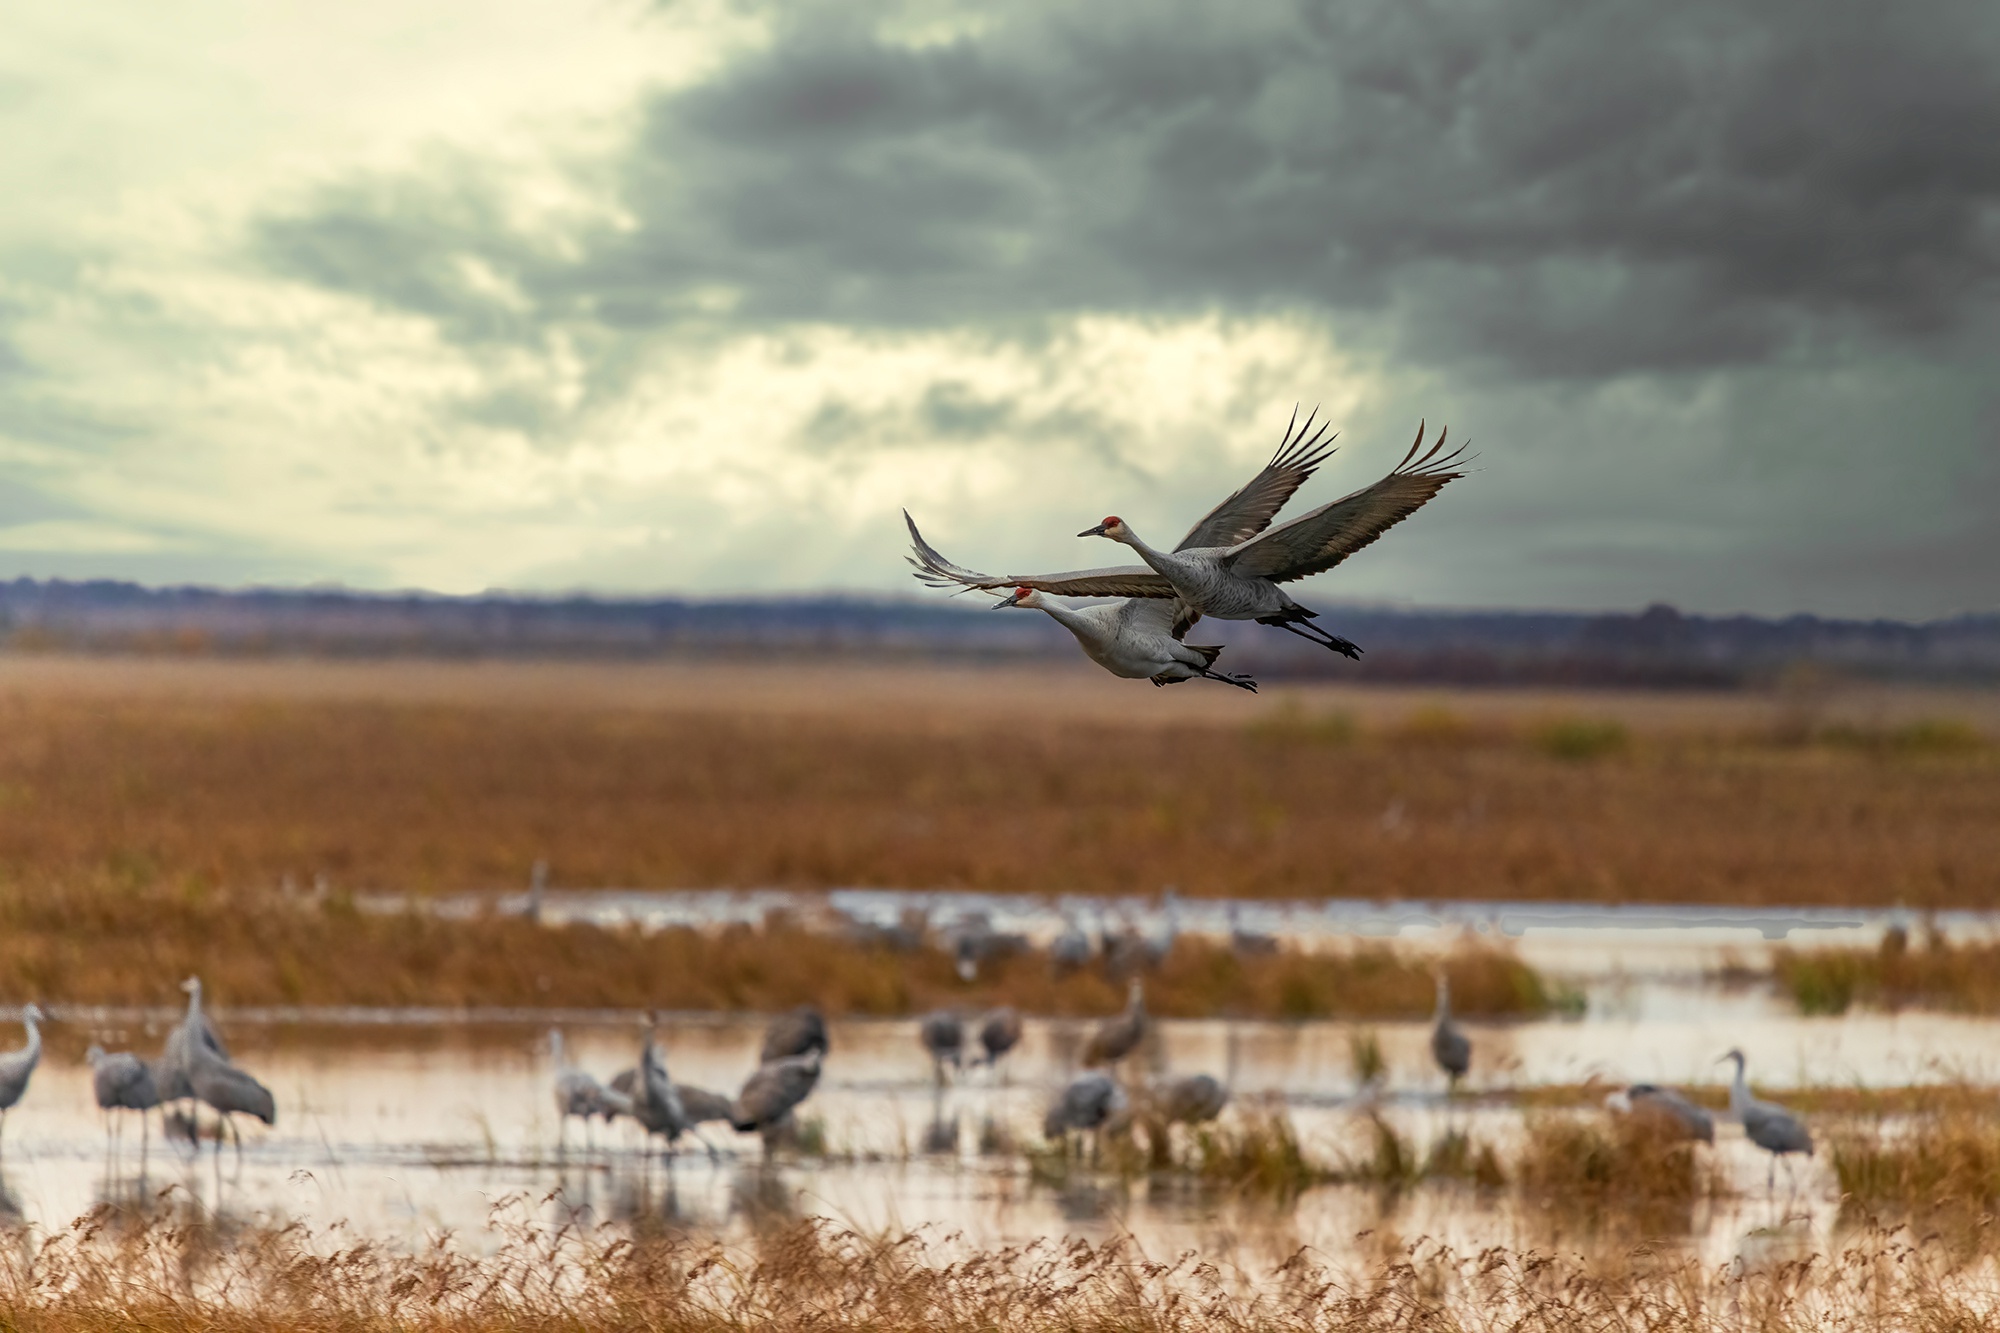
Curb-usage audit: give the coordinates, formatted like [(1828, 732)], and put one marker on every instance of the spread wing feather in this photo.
[(1120, 581), (1315, 542), (1250, 510)]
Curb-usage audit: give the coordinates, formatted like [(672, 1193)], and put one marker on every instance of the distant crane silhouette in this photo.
[(1766, 1124), (579, 1094), (1451, 1048), (655, 1102), (229, 1092), (768, 1097), (170, 1071), (17, 1067), (1070, 949), (1248, 943), (1118, 1037), (1087, 1104), (999, 1034), (1668, 1110), (801, 1030), (123, 1082), (1193, 1100), (943, 1038)]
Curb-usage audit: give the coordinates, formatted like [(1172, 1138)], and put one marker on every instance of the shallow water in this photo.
[(409, 1129)]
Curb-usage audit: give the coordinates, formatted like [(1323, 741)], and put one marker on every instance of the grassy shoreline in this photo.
[(113, 945)]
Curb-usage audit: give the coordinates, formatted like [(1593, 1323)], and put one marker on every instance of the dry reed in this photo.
[(1931, 973), (166, 1279), (1618, 1171)]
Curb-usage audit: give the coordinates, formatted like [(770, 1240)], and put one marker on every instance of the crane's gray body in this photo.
[(770, 1093), (1451, 1048), (1118, 1037), (17, 1067), (794, 1033), (122, 1081), (943, 1038), (1086, 1103), (1000, 1033), (1672, 1108), (1192, 1100)]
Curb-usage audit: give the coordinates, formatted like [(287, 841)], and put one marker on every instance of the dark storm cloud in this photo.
[(1562, 190)]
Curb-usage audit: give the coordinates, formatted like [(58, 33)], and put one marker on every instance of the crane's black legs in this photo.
[(1313, 633), (1240, 682)]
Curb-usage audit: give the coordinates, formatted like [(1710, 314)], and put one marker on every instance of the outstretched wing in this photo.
[(1250, 510), (1171, 616), (1314, 543), (1119, 581)]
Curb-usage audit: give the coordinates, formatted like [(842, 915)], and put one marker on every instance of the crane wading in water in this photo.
[(1767, 1124), (1451, 1048), (17, 1067)]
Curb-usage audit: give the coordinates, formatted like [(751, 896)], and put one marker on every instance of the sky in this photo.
[(694, 298)]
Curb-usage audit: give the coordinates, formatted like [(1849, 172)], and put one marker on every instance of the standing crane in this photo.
[(579, 1094), (1119, 1036), (170, 1071), (1451, 1048), (794, 1033), (123, 1082), (943, 1038), (1070, 949), (1766, 1124), (999, 1034), (769, 1095), (229, 1092), (17, 1067), (1087, 1104)]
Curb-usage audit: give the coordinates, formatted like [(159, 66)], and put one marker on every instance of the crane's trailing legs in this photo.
[(1296, 619)]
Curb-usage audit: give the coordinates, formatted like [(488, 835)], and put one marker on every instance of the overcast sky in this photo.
[(549, 294)]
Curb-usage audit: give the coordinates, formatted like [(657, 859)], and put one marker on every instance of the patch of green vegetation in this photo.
[(1581, 739)]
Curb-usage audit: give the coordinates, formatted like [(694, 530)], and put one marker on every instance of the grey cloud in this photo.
[(1562, 189)]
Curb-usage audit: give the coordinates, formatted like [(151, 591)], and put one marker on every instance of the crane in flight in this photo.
[(1229, 565), (1239, 581)]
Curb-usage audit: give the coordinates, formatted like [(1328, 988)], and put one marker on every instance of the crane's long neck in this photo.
[(1443, 1000), (1085, 629), (1147, 553), (33, 1050), (1739, 1092)]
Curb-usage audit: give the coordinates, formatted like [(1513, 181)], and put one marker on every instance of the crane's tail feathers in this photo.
[(1209, 652)]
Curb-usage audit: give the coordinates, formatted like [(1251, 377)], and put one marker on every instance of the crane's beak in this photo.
[(1097, 531), (1004, 603)]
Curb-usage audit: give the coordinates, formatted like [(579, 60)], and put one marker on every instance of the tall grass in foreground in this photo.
[(815, 1275), (1941, 1167), (1620, 1171)]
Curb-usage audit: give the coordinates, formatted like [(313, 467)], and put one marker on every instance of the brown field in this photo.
[(204, 775)]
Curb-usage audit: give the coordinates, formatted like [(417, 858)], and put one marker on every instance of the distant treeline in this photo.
[(1656, 647)]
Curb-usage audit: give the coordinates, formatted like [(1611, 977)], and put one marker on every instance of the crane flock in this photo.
[(195, 1067), (1228, 566)]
